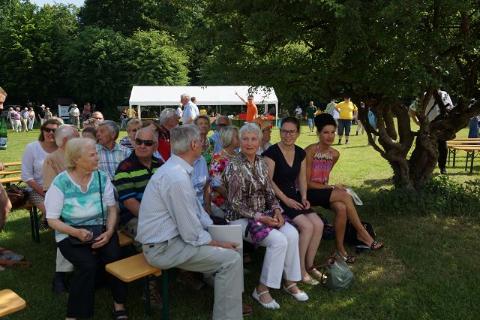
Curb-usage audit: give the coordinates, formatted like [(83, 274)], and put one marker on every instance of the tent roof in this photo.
[(206, 95)]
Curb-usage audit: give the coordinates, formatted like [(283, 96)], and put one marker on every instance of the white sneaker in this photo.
[(267, 305)]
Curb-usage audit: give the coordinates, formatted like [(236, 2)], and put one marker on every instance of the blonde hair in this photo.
[(226, 135), (74, 150), (3, 92)]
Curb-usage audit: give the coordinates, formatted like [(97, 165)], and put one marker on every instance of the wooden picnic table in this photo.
[(470, 150)]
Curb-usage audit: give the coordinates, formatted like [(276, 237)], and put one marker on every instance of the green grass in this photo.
[(428, 270)]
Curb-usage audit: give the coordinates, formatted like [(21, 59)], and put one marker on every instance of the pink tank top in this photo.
[(321, 166)]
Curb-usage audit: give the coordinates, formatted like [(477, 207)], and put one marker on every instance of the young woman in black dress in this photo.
[(287, 170)]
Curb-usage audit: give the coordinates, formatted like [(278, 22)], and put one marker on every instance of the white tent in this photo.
[(206, 95)]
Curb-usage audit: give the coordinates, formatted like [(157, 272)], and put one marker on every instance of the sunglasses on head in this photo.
[(49, 130), (148, 143)]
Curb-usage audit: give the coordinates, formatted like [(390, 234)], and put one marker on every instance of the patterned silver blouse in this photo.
[(248, 187)]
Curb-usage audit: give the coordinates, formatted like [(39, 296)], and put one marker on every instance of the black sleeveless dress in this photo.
[(285, 177)]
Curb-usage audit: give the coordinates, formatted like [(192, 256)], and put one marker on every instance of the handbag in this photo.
[(96, 229), (339, 275), (18, 195)]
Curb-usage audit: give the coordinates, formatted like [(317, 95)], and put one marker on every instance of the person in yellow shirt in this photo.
[(346, 108), (131, 113)]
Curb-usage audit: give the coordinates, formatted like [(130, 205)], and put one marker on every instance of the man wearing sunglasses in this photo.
[(132, 176)]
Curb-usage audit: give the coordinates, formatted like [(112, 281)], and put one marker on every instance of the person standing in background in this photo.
[(346, 108), (31, 118), (3, 122), (252, 111), (74, 115), (41, 114), (298, 113), (190, 110), (310, 114), (24, 119)]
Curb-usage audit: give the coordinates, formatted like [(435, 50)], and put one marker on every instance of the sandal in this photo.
[(268, 305), (299, 296), (348, 258), (247, 310), (376, 245), (120, 314), (316, 274), (308, 279)]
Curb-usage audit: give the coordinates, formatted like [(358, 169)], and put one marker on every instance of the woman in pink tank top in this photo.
[(321, 158)]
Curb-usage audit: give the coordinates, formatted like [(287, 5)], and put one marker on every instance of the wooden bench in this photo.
[(469, 145), (135, 268), (10, 302)]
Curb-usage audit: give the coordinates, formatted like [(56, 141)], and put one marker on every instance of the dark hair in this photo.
[(147, 123), (291, 120), (324, 119), (92, 130), (202, 117), (56, 121)]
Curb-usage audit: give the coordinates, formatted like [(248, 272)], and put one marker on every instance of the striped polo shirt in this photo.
[(131, 179)]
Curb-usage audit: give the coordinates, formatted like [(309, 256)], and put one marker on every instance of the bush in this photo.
[(440, 196)]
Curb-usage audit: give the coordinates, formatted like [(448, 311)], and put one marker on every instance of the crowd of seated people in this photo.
[(166, 199)]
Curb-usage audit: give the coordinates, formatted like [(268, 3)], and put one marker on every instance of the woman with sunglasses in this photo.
[(32, 162), (321, 158), (286, 169)]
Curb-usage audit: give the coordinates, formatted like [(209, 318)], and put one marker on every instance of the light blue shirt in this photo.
[(170, 208), (217, 142)]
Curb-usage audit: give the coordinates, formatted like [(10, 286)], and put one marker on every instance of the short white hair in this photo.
[(147, 129), (226, 135), (112, 126), (182, 137), (64, 131), (74, 150), (184, 96), (166, 114), (250, 127)]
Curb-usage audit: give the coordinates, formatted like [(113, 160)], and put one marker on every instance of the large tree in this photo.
[(381, 52)]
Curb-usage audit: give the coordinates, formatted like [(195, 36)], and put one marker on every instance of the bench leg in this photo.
[(471, 161), (165, 310), (454, 155), (34, 224), (146, 292)]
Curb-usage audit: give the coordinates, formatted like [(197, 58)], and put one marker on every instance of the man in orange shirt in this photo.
[(252, 111)]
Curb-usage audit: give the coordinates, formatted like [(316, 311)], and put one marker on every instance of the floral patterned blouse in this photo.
[(217, 167), (249, 188), (207, 148)]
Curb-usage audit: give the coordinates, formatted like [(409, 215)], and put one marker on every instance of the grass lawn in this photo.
[(429, 268)]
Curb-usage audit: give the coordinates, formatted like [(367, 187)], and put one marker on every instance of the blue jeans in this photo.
[(310, 123), (344, 125)]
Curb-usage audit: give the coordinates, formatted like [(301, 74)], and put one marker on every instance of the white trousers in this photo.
[(281, 255)]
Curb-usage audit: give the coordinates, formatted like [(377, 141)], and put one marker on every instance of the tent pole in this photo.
[(139, 112), (276, 113)]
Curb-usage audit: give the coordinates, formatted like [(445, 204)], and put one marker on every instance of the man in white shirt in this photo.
[(74, 116), (173, 236), (190, 109)]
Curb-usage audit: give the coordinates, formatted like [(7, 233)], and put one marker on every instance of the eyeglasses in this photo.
[(98, 118), (49, 130), (147, 143), (290, 132)]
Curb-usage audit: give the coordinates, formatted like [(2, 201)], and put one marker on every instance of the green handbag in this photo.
[(339, 275)]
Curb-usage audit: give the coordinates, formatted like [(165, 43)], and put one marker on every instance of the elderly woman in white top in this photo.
[(33, 158), (81, 208), (253, 205)]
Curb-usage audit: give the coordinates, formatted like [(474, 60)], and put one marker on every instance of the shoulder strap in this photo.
[(101, 195)]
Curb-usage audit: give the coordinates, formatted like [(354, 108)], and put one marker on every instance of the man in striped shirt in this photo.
[(132, 176)]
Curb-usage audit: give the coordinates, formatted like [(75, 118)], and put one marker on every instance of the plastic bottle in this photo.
[(3, 133)]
